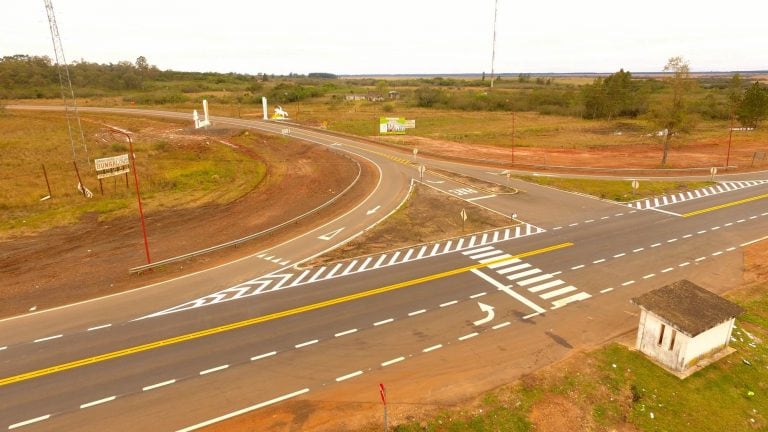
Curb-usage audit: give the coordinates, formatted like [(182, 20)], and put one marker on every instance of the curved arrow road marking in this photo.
[(488, 310)]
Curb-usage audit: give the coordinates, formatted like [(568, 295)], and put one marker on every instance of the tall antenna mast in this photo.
[(67, 97), (493, 52)]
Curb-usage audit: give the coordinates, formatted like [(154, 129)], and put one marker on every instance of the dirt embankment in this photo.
[(92, 258)]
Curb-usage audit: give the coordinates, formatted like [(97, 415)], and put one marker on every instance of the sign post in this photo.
[(463, 215), (136, 182), (713, 171), (383, 394), (635, 186)]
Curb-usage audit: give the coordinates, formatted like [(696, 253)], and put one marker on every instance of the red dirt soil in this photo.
[(691, 155)]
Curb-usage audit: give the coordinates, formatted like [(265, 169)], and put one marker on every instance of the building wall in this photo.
[(712, 339), (649, 336)]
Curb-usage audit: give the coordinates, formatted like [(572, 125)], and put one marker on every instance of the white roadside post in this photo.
[(635, 186), (264, 107), (422, 169), (463, 215), (713, 171)]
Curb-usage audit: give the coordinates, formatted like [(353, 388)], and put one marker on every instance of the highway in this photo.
[(179, 354)]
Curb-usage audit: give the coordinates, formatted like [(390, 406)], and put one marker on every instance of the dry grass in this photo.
[(175, 170)]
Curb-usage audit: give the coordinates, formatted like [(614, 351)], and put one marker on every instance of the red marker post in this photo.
[(383, 394)]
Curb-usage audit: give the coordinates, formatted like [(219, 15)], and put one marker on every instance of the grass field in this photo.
[(493, 128), (616, 190), (175, 171)]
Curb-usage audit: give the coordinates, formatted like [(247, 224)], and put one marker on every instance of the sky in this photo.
[(349, 37)]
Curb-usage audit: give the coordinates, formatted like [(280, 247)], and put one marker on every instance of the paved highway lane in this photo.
[(641, 247)]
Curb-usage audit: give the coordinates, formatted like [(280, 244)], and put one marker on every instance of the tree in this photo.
[(614, 96), (671, 113), (754, 106)]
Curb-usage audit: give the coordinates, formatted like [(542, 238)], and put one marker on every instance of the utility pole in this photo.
[(493, 51)]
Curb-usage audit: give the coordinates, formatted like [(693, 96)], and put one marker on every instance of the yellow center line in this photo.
[(726, 205), (261, 319)]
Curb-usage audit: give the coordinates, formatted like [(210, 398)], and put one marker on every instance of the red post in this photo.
[(132, 158), (383, 394)]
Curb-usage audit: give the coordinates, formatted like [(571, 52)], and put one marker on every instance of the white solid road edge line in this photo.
[(348, 376), (754, 241), (160, 384), (244, 410), (28, 422), (98, 402)]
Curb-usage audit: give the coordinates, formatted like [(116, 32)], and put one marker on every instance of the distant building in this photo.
[(393, 94), (354, 97), (375, 97), (682, 325)]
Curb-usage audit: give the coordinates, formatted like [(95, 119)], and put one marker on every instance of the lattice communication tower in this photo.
[(67, 93)]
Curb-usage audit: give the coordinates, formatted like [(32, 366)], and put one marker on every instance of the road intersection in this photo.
[(286, 332)]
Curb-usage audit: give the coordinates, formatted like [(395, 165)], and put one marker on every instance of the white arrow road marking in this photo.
[(331, 234), (487, 309), (373, 210)]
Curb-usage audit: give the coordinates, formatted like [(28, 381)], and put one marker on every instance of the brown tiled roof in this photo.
[(688, 307)]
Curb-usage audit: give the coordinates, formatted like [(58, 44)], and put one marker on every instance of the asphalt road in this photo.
[(178, 354)]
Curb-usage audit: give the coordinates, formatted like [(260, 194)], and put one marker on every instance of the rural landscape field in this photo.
[(367, 243)]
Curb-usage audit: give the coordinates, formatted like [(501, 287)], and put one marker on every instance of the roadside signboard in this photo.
[(392, 126), (112, 166)]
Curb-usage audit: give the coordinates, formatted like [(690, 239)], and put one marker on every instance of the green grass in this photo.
[(173, 173), (616, 190)]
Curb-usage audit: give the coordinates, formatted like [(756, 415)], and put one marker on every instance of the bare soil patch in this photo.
[(703, 153)]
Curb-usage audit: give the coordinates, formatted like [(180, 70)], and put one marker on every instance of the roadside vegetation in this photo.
[(177, 169), (616, 190), (619, 109)]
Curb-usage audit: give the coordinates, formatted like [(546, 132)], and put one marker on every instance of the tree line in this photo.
[(618, 95)]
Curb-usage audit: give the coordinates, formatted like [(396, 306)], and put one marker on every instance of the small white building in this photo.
[(682, 325)]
